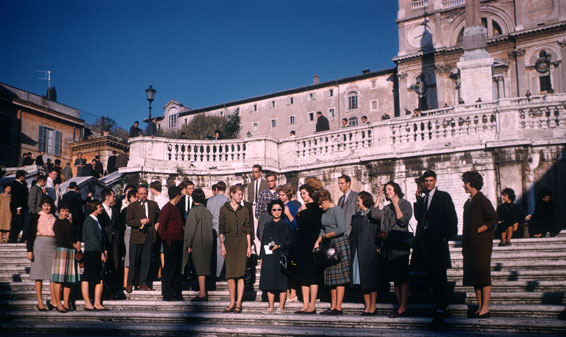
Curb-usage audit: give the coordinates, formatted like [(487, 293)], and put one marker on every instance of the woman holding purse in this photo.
[(394, 217), (333, 230)]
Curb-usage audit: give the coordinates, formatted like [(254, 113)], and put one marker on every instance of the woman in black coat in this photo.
[(477, 241), (276, 240), (308, 229), (509, 216), (544, 218), (365, 258)]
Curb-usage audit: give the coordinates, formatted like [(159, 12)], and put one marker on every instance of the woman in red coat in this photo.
[(477, 241)]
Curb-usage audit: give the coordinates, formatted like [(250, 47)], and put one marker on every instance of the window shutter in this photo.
[(40, 139), (58, 143)]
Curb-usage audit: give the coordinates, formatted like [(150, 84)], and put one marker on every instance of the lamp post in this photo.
[(150, 93)]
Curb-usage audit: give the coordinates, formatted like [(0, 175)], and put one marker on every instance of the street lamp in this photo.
[(150, 93)]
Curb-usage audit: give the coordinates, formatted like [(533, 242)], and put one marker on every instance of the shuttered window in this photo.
[(49, 141)]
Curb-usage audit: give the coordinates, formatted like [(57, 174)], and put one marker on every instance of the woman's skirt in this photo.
[(339, 274), (43, 255), (65, 269), (397, 270), (236, 249), (93, 267)]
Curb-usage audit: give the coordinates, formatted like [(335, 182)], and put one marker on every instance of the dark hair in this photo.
[(346, 178), (130, 186), (323, 195), (271, 175), (257, 166), (273, 203), (73, 185), (173, 192), (136, 122), (474, 178), (221, 186), (105, 192), (64, 205), (510, 193), (20, 173), (91, 205), (141, 186), (543, 193), (131, 193), (214, 188), (396, 189), (46, 200), (188, 183), (429, 173), (52, 170), (344, 119), (310, 190), (367, 199), (40, 178), (319, 112), (198, 196), (57, 162), (364, 117), (156, 185)]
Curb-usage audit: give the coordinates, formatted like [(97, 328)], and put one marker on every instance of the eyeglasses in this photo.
[(276, 209)]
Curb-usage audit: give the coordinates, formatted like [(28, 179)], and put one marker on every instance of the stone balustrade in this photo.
[(461, 128), (452, 3), (419, 4)]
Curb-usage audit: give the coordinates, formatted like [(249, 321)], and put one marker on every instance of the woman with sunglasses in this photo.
[(276, 241)]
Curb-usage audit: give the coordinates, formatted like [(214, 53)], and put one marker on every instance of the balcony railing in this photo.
[(464, 127), (452, 3), (419, 4)]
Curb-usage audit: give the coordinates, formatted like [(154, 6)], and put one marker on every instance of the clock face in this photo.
[(420, 36)]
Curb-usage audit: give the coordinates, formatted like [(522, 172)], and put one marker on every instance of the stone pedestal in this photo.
[(476, 79)]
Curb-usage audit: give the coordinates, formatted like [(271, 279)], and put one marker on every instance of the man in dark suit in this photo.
[(143, 217), (111, 165), (135, 131), (36, 194), (98, 167), (186, 202), (18, 206), (348, 201), (437, 223), (73, 199), (322, 123), (39, 159), (109, 220)]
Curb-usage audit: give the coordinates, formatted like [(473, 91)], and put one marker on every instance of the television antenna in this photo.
[(46, 77)]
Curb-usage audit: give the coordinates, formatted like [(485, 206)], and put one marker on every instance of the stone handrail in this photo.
[(460, 128), (419, 4)]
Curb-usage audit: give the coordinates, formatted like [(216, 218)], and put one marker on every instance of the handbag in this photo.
[(79, 256), (326, 255), (399, 240)]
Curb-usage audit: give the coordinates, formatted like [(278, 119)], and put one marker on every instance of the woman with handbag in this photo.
[(94, 256), (477, 241), (333, 229), (308, 275), (395, 218), (235, 227), (276, 241), (41, 247), (65, 272), (365, 256)]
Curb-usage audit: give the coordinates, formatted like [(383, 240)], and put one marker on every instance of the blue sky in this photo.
[(104, 54)]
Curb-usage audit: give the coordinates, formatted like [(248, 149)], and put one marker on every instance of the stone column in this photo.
[(562, 68)]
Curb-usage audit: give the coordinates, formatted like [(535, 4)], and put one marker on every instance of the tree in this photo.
[(202, 126), (232, 126)]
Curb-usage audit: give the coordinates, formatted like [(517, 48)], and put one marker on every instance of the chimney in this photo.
[(365, 71), (316, 79)]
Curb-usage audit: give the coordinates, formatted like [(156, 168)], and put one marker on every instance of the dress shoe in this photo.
[(327, 312), (508, 243), (63, 311), (486, 315), (145, 288), (367, 313), (40, 309), (200, 299), (336, 312), (129, 289), (396, 314)]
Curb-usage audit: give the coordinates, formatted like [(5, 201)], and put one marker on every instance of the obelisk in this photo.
[(476, 64)]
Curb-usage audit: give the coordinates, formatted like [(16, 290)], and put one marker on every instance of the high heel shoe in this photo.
[(50, 306), (40, 309), (63, 311)]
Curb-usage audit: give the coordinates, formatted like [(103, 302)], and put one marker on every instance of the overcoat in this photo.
[(364, 242), (199, 237), (271, 277)]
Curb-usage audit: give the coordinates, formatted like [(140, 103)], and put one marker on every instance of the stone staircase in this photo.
[(529, 298)]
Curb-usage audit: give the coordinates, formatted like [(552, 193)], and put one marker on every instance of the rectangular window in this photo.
[(353, 102), (331, 92), (545, 84), (373, 84), (49, 141), (274, 123), (273, 104), (291, 120), (331, 112), (255, 107), (374, 105), (311, 96), (311, 116), (173, 121), (255, 126), (291, 100)]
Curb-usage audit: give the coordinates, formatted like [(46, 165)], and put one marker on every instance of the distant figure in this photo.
[(416, 113), (151, 129), (479, 100), (292, 133), (67, 172), (111, 166), (80, 165), (28, 160), (461, 101), (345, 123), (321, 122), (365, 120), (385, 117), (135, 131), (39, 159), (528, 94), (183, 135), (122, 160), (217, 135)]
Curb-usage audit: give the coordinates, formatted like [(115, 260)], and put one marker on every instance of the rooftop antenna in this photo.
[(46, 77)]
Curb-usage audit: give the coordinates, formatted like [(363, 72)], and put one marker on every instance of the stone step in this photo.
[(126, 323), (415, 310)]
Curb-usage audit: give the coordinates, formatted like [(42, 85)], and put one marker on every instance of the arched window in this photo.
[(492, 26), (352, 100)]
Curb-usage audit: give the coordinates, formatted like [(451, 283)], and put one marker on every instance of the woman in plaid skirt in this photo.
[(65, 271), (333, 229)]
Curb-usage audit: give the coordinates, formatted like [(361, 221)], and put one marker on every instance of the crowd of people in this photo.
[(336, 242)]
